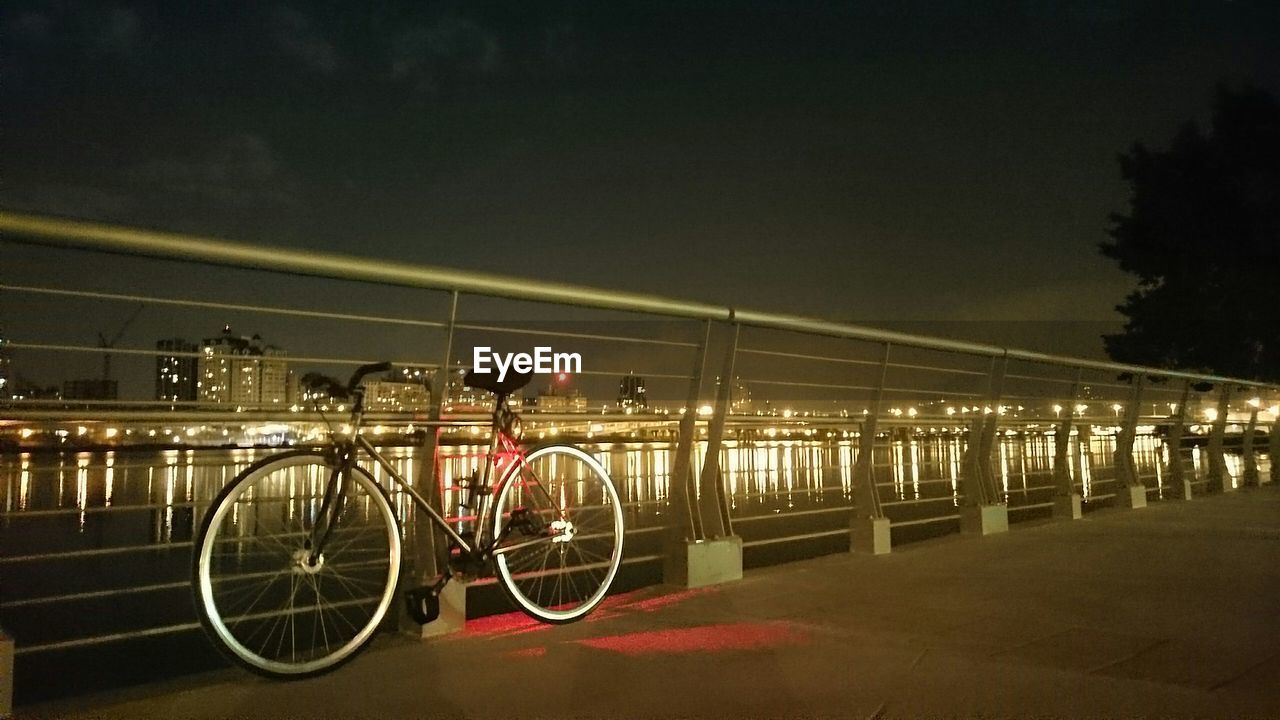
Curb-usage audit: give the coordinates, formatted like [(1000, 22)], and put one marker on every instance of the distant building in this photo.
[(241, 370), (461, 398), (293, 393), (631, 393), (273, 376), (402, 389), (393, 396), (559, 396), (176, 370), (26, 390), (559, 403), (741, 399), (89, 389)]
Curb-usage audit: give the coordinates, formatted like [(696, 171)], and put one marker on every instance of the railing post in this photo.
[(1131, 491), (687, 525), (1273, 444), (714, 555), (1067, 503), (1248, 457), (982, 513), (1219, 478), (716, 522), (1177, 472), (870, 531), (428, 549)]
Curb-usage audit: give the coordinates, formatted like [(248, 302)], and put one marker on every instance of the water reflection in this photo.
[(159, 497)]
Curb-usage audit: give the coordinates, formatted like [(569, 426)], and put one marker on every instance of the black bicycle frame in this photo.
[(334, 494)]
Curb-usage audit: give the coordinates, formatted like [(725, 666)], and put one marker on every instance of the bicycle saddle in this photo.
[(489, 381)]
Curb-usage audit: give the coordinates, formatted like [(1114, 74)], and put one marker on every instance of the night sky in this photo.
[(873, 162)]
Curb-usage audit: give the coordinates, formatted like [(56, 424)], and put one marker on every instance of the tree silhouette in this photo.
[(1203, 237)]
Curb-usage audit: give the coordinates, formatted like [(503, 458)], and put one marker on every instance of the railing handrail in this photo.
[(114, 239)]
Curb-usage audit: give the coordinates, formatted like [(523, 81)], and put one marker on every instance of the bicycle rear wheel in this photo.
[(563, 494), (263, 600)]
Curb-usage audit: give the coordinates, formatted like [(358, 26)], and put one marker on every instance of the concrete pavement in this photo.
[(1169, 611)]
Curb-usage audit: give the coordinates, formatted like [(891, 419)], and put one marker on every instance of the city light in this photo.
[(1255, 402), (1211, 414)]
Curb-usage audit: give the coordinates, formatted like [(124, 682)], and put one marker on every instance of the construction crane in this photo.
[(107, 345)]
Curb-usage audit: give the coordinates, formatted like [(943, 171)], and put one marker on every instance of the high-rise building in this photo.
[(176, 370), (631, 392), (241, 370), (273, 376)]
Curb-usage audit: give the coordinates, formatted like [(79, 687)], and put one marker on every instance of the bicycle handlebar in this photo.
[(365, 370)]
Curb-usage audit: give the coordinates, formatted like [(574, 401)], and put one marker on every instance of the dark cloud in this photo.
[(239, 172), (451, 50), (237, 177), (856, 161), (299, 38), (121, 33)]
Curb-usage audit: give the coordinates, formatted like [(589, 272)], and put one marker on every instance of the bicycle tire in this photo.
[(280, 557)]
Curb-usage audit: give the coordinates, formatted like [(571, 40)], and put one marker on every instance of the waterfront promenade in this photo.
[(1165, 611)]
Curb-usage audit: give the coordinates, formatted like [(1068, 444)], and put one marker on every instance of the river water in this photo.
[(95, 546)]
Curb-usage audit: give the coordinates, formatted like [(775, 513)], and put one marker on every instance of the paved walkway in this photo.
[(1167, 611)]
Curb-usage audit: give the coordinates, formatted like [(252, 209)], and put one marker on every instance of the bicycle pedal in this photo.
[(423, 604)]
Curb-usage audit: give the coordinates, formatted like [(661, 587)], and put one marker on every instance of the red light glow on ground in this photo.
[(706, 638)]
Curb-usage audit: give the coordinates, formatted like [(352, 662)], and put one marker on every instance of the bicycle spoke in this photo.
[(257, 534), (587, 549)]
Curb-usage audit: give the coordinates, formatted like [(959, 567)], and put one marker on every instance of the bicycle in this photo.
[(299, 558)]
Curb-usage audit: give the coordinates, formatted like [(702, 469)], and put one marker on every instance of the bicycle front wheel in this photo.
[(561, 513), (267, 601)]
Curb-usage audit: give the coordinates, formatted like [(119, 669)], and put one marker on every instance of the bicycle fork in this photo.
[(335, 495)]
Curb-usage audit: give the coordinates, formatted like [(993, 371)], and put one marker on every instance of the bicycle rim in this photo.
[(258, 593), (560, 581)]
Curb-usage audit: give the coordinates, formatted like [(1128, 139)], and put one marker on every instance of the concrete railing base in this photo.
[(6, 674), (870, 536), (695, 563), (453, 614), (1068, 507), (984, 519), (1131, 496), (1187, 490)]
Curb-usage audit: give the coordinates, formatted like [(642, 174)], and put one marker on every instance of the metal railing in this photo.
[(906, 428)]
